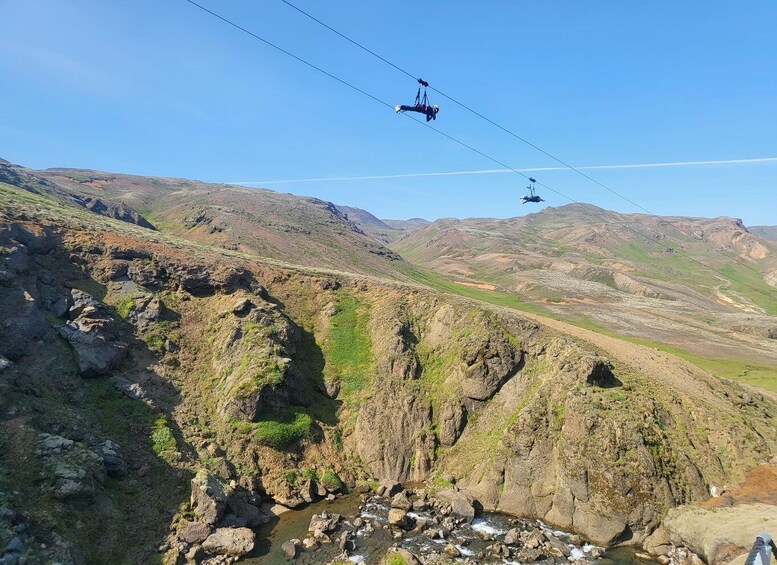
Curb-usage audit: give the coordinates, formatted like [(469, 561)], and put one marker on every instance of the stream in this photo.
[(468, 539)]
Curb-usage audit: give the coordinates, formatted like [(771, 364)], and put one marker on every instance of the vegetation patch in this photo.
[(330, 481), (437, 482), (163, 441), (495, 297), (157, 335), (393, 558), (348, 348), (280, 432)]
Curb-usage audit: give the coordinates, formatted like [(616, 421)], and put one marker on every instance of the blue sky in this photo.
[(160, 88)]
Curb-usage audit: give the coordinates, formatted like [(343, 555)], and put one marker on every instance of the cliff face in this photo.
[(536, 424), (133, 361)]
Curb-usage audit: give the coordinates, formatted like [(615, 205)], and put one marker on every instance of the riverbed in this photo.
[(469, 539)]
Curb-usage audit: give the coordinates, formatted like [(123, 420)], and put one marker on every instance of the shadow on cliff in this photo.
[(119, 445)]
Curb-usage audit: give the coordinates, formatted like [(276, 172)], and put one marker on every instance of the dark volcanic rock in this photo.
[(110, 453)]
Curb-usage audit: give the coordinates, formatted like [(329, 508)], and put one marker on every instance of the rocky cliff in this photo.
[(151, 386)]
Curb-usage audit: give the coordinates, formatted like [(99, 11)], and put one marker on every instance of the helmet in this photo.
[(436, 108)]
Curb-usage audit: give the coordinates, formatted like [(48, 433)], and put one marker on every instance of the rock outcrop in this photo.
[(71, 470), (92, 335), (230, 541)]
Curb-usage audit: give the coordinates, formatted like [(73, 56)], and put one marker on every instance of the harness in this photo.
[(422, 101)]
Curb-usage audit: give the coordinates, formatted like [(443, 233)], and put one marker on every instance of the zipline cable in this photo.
[(455, 140), (511, 133)]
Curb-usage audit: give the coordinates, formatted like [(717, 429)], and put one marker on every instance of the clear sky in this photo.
[(160, 88)]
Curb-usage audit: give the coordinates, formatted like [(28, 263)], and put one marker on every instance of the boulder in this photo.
[(556, 544), (347, 541), (92, 335), (193, 532), (97, 351), (408, 557), (146, 311), (324, 522), (248, 513), (390, 489), (512, 537), (15, 546), (461, 505), (716, 534), (399, 518), (209, 497), (400, 500), (308, 491), (109, 452), (82, 301), (498, 550), (71, 470), (289, 549), (420, 505), (451, 551), (230, 541), (242, 307), (453, 418)]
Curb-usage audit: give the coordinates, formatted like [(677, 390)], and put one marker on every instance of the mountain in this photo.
[(703, 285), (182, 385), (165, 395), (369, 224), (407, 225), (288, 228), (384, 231), (765, 232)]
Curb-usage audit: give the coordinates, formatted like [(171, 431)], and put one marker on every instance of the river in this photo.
[(370, 548)]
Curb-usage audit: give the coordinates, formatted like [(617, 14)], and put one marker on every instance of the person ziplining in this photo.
[(421, 104), (531, 196)]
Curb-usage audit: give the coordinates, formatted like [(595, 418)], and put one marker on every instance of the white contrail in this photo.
[(502, 171)]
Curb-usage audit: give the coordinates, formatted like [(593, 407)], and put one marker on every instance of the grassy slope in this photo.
[(761, 376), (437, 282), (348, 349), (756, 375)]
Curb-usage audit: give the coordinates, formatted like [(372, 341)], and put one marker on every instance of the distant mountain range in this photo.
[(706, 285)]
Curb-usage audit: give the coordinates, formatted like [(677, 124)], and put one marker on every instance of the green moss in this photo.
[(330, 481), (163, 441), (436, 368), (309, 475), (337, 438), (436, 483), (281, 431), (124, 307), (558, 416), (156, 336), (291, 477), (393, 558), (348, 347)]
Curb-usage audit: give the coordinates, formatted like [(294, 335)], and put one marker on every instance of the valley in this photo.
[(182, 363)]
